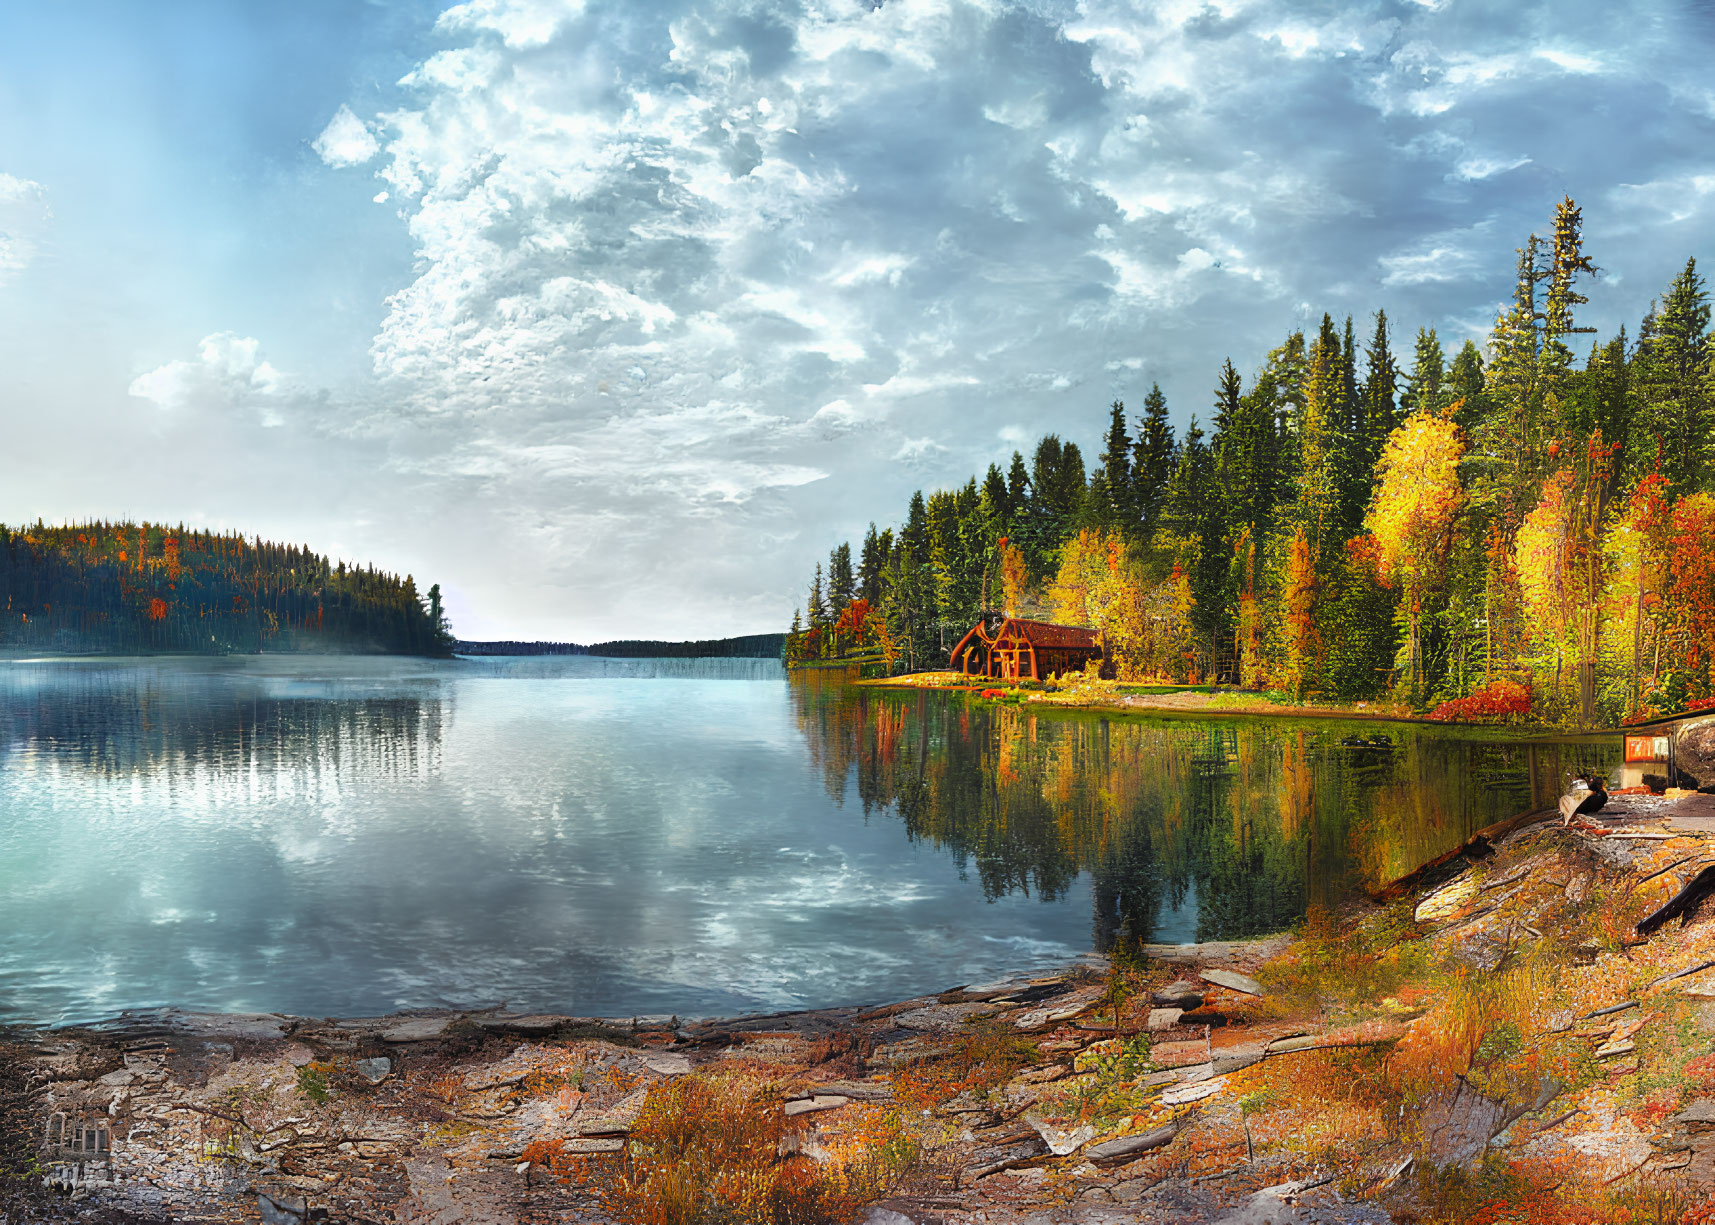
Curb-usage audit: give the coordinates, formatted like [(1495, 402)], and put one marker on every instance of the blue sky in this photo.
[(614, 317)]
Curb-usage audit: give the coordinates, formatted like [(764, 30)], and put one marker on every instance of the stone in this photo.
[(417, 1029), (531, 1025), (618, 1118), (589, 1146), (887, 1216), (281, 1209), (299, 1055), (1701, 1111), (1694, 752), (373, 1070), (1179, 1054), (811, 1105), (1062, 1139), (665, 1063), (1182, 994), (1180, 1095), (1233, 981), (1163, 1018)]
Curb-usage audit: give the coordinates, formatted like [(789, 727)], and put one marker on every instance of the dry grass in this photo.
[(717, 1149)]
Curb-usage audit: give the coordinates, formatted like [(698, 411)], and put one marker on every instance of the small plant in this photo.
[(313, 1081)]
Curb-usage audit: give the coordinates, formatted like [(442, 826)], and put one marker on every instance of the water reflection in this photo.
[(1188, 828)]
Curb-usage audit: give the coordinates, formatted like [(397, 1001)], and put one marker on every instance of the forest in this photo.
[(146, 588), (745, 646), (1523, 529)]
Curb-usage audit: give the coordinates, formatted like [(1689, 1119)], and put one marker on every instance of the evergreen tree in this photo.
[(1152, 463), (1673, 358), (1423, 388), (1379, 413), (914, 539), (1118, 487), (841, 584), (818, 605), (1465, 384), (1195, 518), (872, 563), (1017, 485)]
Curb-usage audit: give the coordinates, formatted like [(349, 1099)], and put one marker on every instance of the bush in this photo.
[(1496, 702)]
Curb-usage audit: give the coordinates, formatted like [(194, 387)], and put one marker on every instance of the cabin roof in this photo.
[(1047, 634)]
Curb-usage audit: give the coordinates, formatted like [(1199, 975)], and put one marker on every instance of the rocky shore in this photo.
[(1529, 1030)]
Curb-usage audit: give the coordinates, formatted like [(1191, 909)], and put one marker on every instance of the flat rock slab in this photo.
[(1062, 1139), (1233, 981), (587, 1146), (1196, 1091), (812, 1105), (420, 1029), (1064, 1008), (940, 1018), (618, 1118), (1700, 1111), (1179, 1054), (529, 1024), (1163, 1018), (665, 1063)]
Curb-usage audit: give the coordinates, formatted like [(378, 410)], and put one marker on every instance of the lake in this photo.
[(338, 836)]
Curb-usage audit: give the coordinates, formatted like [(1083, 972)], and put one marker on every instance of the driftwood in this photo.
[(1479, 845), (1126, 1148), (1691, 893)]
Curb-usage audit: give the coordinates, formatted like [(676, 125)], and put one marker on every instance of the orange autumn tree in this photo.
[(1690, 595), (1542, 553), (1416, 501)]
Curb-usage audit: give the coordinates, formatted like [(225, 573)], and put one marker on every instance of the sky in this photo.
[(614, 317)]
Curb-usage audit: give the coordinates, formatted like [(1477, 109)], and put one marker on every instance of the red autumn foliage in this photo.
[(1496, 701), (157, 609)]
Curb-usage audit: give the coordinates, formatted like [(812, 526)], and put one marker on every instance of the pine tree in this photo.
[(1678, 409), (1152, 463), (1423, 390), (841, 585), (1017, 484), (818, 606), (872, 563), (1118, 487)]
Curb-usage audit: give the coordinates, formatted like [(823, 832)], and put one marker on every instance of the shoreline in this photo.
[(1522, 1023), (1150, 704)]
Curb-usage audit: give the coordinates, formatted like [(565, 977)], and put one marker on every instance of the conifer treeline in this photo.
[(149, 588), (1508, 527)]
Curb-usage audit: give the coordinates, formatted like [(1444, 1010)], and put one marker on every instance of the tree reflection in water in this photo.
[(1191, 826)]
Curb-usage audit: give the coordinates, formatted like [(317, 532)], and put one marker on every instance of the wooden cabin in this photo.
[(1020, 650)]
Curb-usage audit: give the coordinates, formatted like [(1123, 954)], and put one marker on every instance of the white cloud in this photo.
[(227, 370), (24, 216), (346, 141), (650, 242), (520, 23)]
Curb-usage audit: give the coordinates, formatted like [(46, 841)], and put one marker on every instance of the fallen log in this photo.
[(1691, 893), (1479, 845), (1127, 1148)]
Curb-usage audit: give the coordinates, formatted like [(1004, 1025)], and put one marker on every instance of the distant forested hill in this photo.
[(150, 588), (746, 646)]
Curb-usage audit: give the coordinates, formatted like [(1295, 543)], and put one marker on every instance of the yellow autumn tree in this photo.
[(1417, 498)]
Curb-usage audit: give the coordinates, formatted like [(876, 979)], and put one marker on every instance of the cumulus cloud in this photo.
[(228, 369), (346, 141), (677, 263), (23, 218)]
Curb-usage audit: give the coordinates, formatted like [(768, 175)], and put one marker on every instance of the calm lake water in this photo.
[(337, 836)]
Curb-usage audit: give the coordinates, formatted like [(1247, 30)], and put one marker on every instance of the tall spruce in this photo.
[(1152, 463), (1673, 358)]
